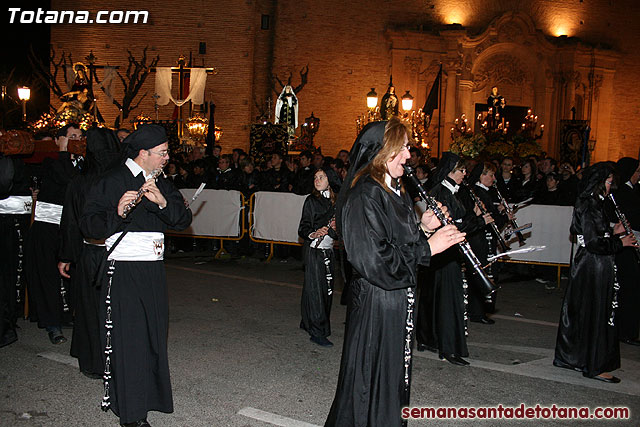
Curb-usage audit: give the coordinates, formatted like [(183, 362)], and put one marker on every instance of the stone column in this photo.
[(465, 100), (449, 95)]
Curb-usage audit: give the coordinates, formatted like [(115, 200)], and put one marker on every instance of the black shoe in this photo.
[(484, 320), (631, 342), (423, 347), (56, 337), (139, 423), (321, 341), (612, 380), (454, 359), (560, 364)]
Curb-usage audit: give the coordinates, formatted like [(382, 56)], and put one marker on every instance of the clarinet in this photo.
[(127, 209), (625, 222), (484, 211), (465, 248), (509, 211)]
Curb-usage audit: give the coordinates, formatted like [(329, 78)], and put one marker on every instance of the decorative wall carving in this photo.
[(500, 68), (511, 32), (413, 63)]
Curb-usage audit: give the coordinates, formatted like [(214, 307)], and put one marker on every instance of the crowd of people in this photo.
[(238, 171), (93, 256)]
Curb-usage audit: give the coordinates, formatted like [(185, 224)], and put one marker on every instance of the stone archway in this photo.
[(553, 77)]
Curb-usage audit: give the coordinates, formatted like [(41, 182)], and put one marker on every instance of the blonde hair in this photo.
[(392, 144)]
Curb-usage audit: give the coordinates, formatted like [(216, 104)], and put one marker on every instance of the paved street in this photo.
[(238, 358)]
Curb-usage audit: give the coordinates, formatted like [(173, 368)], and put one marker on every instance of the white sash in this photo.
[(137, 246), (48, 212), (16, 205)]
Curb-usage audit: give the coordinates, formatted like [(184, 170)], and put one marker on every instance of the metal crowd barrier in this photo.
[(282, 226), (211, 217)]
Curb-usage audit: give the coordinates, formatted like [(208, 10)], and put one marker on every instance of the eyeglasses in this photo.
[(163, 153), (609, 182)]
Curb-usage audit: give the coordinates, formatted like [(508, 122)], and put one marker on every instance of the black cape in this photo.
[(385, 246)]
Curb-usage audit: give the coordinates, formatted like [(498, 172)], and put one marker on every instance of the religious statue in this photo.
[(78, 98), (287, 110), (496, 102), (389, 104)]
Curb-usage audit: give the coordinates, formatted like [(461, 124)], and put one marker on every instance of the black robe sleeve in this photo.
[(71, 239), (381, 237), (589, 220), (100, 217), (316, 213)]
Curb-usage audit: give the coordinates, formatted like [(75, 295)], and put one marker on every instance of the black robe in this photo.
[(139, 303), (587, 339), (628, 265), (50, 299), (483, 243), (85, 259), (13, 228), (384, 245), (442, 307), (317, 292)]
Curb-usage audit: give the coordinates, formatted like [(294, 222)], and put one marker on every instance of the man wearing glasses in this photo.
[(131, 207)]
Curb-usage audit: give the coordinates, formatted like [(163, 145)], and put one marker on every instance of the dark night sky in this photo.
[(17, 39)]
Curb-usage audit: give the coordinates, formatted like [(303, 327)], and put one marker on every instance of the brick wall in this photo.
[(344, 45)]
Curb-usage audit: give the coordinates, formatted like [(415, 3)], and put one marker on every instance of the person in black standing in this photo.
[(303, 181), (442, 310), (587, 339), (483, 241), (134, 306), (278, 178), (15, 213), (385, 242), (317, 229), (527, 184), (228, 178), (48, 292), (627, 197), (80, 256)]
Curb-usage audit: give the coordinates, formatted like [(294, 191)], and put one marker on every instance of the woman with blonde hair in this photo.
[(384, 242)]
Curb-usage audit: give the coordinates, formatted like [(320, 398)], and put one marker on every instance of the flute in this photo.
[(127, 209), (484, 211), (625, 222), (487, 284)]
